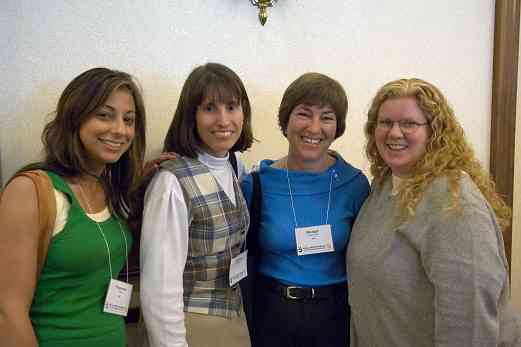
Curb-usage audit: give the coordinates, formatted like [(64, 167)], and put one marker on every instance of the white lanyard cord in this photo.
[(329, 195), (100, 229), (291, 198), (293, 205), (229, 242), (126, 245)]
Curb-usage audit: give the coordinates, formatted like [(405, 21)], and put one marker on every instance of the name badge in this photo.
[(314, 239), (118, 298), (238, 268)]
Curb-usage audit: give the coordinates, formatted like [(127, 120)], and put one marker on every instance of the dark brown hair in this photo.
[(314, 89), (64, 152), (210, 80)]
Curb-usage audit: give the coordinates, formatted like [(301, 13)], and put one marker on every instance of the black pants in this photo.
[(279, 321)]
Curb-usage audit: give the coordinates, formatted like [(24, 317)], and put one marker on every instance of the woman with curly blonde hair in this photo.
[(426, 255)]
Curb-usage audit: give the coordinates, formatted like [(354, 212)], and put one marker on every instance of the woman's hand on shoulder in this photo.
[(19, 233), (151, 166)]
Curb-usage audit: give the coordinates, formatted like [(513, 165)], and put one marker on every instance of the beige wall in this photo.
[(361, 43)]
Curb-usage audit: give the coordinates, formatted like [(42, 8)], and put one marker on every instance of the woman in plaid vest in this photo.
[(195, 218)]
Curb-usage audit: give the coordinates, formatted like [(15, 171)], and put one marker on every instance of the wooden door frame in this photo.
[(504, 97)]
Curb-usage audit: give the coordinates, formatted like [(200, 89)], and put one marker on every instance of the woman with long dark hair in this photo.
[(195, 218), (94, 149)]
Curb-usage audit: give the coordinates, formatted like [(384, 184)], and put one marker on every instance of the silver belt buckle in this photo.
[(288, 293), (292, 297)]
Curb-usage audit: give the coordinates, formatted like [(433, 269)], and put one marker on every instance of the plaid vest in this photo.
[(217, 230)]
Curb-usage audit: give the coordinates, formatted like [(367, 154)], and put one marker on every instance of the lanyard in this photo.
[(100, 229), (293, 204)]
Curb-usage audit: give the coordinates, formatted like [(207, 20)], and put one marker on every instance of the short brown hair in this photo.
[(313, 88), (209, 80)]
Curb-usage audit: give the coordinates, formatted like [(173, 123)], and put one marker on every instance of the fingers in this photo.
[(167, 156), (152, 166)]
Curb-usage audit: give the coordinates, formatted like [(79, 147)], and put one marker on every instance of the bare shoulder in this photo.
[(20, 188), (19, 203)]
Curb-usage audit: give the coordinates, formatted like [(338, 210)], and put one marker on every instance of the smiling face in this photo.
[(310, 131), (401, 151), (108, 132), (219, 125)]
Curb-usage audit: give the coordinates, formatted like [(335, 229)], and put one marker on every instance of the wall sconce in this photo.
[(263, 8)]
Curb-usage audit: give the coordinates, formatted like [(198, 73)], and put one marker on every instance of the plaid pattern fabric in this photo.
[(217, 230)]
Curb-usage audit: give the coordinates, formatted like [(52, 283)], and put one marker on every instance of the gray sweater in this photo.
[(441, 279)]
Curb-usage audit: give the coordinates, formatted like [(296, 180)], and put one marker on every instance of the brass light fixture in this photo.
[(263, 8)]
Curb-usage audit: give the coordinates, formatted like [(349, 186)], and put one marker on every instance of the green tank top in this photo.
[(67, 308)]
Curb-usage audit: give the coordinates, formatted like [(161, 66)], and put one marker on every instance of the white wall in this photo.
[(44, 44)]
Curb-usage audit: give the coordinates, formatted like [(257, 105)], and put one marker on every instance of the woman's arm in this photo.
[(19, 231), (164, 248), (152, 165), (463, 260)]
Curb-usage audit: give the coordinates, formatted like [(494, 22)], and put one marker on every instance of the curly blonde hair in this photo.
[(447, 151)]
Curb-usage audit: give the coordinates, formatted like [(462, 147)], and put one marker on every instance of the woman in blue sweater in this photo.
[(310, 199)]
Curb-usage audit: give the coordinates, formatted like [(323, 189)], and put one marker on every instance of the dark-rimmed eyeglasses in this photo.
[(406, 126)]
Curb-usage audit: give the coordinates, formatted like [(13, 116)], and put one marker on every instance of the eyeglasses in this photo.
[(406, 126)]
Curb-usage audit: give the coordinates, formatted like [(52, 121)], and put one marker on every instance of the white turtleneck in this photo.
[(164, 248)]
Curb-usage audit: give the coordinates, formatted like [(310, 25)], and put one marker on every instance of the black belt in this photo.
[(302, 293)]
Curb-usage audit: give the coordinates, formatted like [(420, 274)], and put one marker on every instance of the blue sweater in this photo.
[(278, 254)]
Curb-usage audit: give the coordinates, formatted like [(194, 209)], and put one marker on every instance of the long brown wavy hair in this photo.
[(447, 151), (64, 152)]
